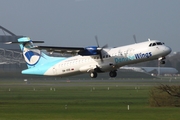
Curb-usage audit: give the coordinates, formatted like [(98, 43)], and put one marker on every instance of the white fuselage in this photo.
[(113, 58)]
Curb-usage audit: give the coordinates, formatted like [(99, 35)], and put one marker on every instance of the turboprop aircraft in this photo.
[(91, 59)]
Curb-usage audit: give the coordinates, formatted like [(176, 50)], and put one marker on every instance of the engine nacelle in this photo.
[(90, 50)]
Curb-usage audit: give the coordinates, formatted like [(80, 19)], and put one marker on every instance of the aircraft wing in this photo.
[(65, 50)]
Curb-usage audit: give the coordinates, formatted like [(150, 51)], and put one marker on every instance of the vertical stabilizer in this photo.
[(38, 63), (33, 57)]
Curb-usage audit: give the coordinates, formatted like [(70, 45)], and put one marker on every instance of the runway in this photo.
[(65, 82)]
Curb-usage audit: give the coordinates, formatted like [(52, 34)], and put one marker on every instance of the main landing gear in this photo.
[(111, 74), (93, 74)]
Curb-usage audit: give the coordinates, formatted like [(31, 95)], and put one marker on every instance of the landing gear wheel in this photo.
[(163, 62), (113, 74), (93, 75)]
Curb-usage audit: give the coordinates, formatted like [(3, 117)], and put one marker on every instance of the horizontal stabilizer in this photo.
[(23, 42), (71, 50)]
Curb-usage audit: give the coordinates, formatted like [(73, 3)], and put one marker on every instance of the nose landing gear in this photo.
[(161, 60)]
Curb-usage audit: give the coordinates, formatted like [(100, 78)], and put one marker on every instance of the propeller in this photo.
[(99, 49)]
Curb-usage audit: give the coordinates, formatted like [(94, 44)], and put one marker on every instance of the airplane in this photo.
[(91, 59), (153, 70)]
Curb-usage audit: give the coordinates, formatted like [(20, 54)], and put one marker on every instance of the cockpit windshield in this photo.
[(155, 44)]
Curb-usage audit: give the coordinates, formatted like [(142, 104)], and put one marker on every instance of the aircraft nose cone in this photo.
[(168, 50)]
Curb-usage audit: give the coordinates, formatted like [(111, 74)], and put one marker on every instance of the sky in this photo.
[(76, 22)]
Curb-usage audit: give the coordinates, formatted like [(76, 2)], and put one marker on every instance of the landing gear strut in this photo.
[(93, 75), (113, 74)]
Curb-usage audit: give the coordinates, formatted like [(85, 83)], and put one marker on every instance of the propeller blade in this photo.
[(100, 55), (105, 46), (99, 49)]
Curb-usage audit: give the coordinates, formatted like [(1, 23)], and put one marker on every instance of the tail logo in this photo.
[(31, 56)]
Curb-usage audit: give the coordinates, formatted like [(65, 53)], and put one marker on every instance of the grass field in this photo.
[(79, 102)]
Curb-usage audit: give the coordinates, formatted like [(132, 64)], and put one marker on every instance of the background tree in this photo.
[(165, 95)]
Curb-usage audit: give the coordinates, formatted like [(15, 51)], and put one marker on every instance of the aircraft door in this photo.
[(54, 71)]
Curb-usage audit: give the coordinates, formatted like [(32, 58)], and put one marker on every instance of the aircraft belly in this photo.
[(69, 74), (107, 68), (88, 67), (62, 71)]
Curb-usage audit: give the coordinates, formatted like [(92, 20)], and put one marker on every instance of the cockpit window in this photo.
[(159, 43), (156, 43), (153, 44)]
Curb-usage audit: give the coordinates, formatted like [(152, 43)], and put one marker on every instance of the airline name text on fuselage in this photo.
[(135, 56)]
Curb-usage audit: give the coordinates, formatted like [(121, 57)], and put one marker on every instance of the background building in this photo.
[(11, 58)]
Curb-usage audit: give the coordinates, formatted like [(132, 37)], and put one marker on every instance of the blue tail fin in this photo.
[(33, 57), (38, 63)]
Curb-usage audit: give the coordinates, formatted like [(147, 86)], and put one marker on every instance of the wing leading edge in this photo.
[(84, 51)]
